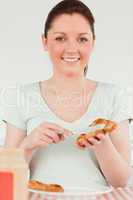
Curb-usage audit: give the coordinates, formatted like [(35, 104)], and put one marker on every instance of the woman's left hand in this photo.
[(94, 141)]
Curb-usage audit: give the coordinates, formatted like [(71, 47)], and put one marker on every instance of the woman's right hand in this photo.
[(45, 134)]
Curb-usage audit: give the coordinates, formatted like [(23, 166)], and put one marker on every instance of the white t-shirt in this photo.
[(63, 163)]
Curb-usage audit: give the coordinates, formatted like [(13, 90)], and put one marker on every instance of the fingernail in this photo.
[(83, 145), (61, 136)]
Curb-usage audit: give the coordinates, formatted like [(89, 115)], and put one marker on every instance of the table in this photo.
[(115, 194), (118, 194)]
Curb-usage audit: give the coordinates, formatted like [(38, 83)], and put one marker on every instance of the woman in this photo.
[(48, 116)]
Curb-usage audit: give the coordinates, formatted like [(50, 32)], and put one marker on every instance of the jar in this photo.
[(13, 174)]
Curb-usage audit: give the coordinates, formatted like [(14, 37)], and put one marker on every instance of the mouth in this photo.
[(70, 59)]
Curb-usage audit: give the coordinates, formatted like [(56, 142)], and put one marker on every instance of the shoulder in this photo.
[(112, 89), (14, 89), (16, 101), (17, 94), (111, 92), (117, 99), (104, 85), (109, 86), (28, 88), (24, 91)]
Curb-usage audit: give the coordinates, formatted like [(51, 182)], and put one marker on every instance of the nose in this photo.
[(71, 46)]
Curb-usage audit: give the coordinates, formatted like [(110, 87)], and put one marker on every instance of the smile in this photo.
[(71, 59)]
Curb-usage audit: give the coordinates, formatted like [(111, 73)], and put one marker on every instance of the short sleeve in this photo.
[(122, 107), (11, 106)]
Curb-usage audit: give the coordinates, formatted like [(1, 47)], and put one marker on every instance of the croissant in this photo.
[(108, 128)]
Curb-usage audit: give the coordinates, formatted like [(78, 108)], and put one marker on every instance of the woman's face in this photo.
[(69, 43)]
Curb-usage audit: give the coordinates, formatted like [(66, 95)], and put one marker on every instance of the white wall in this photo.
[(22, 58)]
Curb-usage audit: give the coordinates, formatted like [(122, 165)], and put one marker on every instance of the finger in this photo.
[(46, 138), (64, 134), (61, 136), (97, 138), (84, 143), (49, 133), (100, 136), (53, 135), (67, 133), (92, 140), (56, 128), (79, 146)]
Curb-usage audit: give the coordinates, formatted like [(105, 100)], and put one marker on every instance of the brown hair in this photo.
[(70, 7)]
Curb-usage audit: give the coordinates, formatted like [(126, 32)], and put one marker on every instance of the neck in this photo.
[(66, 84)]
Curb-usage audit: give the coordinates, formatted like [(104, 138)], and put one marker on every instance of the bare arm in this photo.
[(113, 154), (14, 138), (43, 135)]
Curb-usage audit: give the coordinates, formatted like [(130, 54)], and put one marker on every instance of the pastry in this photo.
[(108, 128), (36, 185)]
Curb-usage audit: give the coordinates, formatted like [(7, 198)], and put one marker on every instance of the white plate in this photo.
[(74, 192)]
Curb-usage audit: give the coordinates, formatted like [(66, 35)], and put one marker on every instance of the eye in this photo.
[(83, 39), (61, 39)]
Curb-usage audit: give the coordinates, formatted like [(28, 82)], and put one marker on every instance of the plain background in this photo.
[(23, 60)]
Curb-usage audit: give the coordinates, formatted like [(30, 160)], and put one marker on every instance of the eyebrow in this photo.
[(65, 33)]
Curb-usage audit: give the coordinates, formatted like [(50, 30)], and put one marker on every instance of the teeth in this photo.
[(70, 59)]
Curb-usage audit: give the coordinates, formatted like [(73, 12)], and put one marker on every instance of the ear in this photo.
[(44, 43)]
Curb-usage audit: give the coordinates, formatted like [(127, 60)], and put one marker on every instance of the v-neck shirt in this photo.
[(63, 163)]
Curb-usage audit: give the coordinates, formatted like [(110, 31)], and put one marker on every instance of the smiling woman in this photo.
[(69, 49), (45, 118), (71, 46)]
